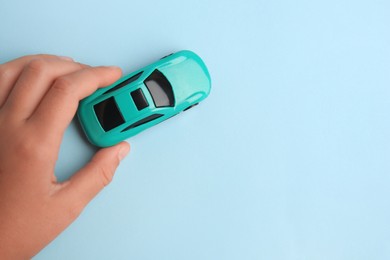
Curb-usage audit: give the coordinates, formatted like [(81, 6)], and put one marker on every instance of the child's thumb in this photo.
[(97, 174)]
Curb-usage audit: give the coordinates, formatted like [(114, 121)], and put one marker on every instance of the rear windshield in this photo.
[(160, 89), (108, 114)]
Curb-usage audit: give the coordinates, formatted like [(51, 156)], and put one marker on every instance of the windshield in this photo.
[(160, 89)]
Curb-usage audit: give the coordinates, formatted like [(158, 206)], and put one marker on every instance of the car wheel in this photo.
[(166, 56), (191, 106)]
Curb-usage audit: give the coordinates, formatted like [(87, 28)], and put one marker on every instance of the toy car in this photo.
[(144, 98)]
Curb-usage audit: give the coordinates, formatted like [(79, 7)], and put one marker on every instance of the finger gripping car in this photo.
[(144, 98)]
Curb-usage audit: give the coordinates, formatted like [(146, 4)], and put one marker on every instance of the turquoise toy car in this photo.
[(144, 98)]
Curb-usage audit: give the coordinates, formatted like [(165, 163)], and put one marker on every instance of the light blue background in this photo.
[(288, 158)]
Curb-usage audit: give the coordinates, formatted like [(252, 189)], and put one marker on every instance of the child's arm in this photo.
[(39, 96)]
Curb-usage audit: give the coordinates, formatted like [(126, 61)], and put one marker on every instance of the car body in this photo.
[(144, 98)]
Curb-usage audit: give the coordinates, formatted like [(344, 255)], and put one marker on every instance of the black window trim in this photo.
[(125, 82), (143, 121)]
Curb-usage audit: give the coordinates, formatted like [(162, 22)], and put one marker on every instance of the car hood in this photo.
[(188, 76)]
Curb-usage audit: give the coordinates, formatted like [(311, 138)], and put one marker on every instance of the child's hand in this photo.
[(39, 96)]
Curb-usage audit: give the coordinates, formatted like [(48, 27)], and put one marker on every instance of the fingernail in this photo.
[(66, 58), (123, 152)]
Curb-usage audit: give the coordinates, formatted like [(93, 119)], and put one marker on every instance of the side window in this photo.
[(160, 89), (143, 121), (124, 83)]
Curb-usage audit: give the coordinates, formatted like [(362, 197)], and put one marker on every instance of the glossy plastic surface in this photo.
[(186, 73)]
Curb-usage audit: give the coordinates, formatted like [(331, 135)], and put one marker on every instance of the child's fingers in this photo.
[(10, 71), (34, 81), (60, 103), (89, 181)]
